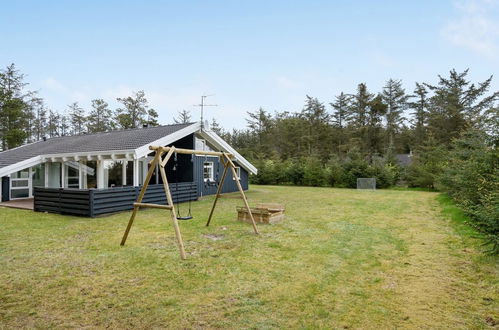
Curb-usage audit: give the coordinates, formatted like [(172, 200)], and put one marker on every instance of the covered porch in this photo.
[(92, 170)]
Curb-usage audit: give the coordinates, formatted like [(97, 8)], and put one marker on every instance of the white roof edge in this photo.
[(20, 165), (144, 150), (219, 142)]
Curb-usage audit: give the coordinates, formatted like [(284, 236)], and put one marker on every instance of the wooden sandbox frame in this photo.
[(262, 213)]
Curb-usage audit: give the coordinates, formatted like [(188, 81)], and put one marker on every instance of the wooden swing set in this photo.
[(225, 158)]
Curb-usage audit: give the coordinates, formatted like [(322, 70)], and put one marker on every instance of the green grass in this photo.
[(342, 259)]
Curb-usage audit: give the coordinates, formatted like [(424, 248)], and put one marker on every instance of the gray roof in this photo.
[(404, 160), (115, 140)]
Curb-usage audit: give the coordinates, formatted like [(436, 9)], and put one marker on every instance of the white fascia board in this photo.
[(83, 155), (20, 165), (218, 142), (166, 140)]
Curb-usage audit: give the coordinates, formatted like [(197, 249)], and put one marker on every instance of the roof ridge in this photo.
[(111, 131)]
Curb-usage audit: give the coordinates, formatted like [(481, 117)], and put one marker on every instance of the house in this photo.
[(98, 173)]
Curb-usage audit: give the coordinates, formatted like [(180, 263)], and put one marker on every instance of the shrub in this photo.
[(471, 178), (294, 172), (314, 173)]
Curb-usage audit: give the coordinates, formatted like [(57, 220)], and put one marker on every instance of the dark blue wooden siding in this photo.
[(93, 202), (5, 188), (229, 184)]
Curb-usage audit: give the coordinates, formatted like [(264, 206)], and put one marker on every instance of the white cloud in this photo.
[(382, 59), (476, 28), (286, 82), (53, 84)]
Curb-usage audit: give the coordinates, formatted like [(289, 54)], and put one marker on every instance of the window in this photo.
[(38, 173), (129, 172), (89, 174), (113, 173), (208, 171), (23, 174), (72, 173), (20, 184), (55, 175), (238, 172)]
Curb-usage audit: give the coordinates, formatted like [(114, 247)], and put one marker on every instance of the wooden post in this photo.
[(233, 168), (170, 203), (219, 189), (141, 195)]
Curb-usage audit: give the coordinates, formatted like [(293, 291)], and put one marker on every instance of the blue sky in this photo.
[(250, 54)]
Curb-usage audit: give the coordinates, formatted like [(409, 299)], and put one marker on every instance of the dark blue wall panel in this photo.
[(204, 188), (5, 188)]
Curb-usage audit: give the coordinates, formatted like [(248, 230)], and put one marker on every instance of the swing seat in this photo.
[(185, 218)]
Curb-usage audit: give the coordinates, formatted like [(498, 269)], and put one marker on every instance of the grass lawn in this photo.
[(341, 259)]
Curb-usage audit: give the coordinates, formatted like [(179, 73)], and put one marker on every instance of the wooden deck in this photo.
[(25, 204)]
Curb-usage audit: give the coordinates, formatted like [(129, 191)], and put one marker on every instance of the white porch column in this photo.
[(64, 179), (135, 172), (144, 169), (81, 184), (123, 172), (100, 174), (46, 181)]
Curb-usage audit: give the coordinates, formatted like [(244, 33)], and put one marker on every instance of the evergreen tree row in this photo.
[(372, 125)]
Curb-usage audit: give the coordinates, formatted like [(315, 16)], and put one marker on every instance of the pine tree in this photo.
[(357, 117), (77, 118), (420, 113), (396, 101), (317, 118), (359, 106), (53, 124), (457, 105), (376, 110), (215, 127), (13, 107), (65, 127), (99, 118), (183, 117), (40, 120), (135, 112), (260, 123), (152, 118), (30, 118), (341, 106)]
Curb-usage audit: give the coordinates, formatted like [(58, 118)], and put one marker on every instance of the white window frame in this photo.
[(66, 174), (29, 186), (238, 172), (212, 173)]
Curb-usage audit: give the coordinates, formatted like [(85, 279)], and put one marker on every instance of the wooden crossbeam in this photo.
[(228, 196), (189, 151), (152, 206)]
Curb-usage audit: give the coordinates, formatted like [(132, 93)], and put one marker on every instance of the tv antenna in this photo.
[(202, 105)]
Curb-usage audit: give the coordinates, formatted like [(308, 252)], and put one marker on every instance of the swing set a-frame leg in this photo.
[(243, 195), (173, 214), (228, 163), (219, 190), (141, 196), (169, 199)]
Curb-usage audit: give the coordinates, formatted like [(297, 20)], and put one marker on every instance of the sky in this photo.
[(249, 54)]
